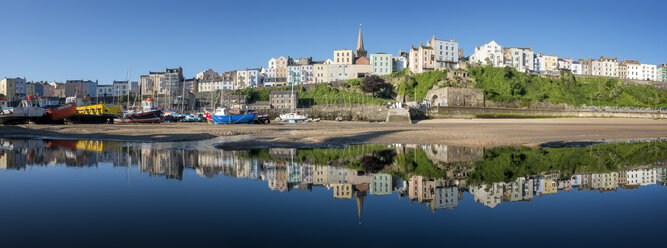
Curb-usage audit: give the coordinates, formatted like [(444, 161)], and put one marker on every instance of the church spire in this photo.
[(360, 45), (359, 196)]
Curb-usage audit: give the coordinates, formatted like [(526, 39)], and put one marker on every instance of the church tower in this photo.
[(360, 45)]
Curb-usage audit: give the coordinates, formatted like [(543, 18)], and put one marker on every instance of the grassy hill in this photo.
[(507, 84)]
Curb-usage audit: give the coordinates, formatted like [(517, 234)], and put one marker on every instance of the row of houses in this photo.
[(434, 54), (346, 64), (14, 89), (525, 60)]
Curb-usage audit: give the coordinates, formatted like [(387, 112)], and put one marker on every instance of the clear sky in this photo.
[(98, 40)]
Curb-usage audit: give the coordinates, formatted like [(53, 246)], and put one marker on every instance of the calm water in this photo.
[(92, 193)]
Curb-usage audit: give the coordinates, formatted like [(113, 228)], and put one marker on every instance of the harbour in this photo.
[(400, 190)]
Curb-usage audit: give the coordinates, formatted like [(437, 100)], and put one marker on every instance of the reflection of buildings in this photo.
[(488, 195), (380, 184), (519, 190), (342, 191), (607, 181), (445, 197), (642, 177), (450, 154), (421, 189), (286, 173)]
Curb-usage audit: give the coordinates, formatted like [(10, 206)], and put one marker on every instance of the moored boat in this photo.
[(223, 116), (61, 112), (293, 117), (149, 114)]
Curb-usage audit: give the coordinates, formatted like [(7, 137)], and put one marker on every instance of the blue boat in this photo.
[(222, 116)]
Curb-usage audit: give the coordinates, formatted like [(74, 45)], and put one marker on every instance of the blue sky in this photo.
[(98, 40)]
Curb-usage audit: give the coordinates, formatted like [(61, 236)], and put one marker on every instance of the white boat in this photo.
[(293, 117), (28, 108)]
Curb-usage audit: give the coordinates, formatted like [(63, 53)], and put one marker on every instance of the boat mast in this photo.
[(129, 82), (183, 97)]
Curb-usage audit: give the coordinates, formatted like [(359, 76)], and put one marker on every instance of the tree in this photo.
[(376, 85)]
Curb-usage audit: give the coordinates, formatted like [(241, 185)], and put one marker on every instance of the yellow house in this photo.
[(550, 186), (550, 63), (342, 191), (8, 88)]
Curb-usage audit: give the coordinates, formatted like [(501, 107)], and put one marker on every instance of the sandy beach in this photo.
[(462, 132)]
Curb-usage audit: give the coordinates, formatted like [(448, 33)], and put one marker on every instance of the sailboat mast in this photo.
[(129, 82)]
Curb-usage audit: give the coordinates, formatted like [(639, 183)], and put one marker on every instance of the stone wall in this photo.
[(330, 112), (449, 96), (544, 112)]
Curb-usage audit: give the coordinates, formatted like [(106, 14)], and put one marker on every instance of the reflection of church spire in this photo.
[(359, 196)]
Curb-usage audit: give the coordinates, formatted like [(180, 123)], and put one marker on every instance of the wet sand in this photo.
[(462, 132)]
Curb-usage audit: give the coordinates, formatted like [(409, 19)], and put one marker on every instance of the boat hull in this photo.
[(61, 112), (234, 119), (144, 117)]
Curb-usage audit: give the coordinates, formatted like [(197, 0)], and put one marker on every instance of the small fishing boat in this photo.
[(223, 116), (294, 117), (61, 112), (149, 114)]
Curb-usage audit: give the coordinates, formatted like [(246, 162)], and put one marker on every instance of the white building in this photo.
[(633, 69), (490, 53), (446, 53), (649, 72), (399, 62), (522, 59), (120, 88), (606, 67), (269, 76), (538, 63), (104, 90), (20, 86), (641, 176), (576, 68)]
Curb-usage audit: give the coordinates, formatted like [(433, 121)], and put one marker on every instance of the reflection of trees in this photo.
[(377, 161)]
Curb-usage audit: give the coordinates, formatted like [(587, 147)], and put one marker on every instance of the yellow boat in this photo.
[(100, 109)]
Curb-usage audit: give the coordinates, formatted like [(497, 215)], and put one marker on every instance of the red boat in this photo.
[(61, 112)]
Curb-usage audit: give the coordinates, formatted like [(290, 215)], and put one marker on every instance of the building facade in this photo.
[(522, 59), (661, 72), (343, 57), (293, 74), (606, 67), (8, 88), (649, 72), (381, 63), (490, 53), (321, 71), (150, 83), (104, 91), (80, 88), (421, 59), (207, 74), (550, 64), (446, 53), (285, 99)]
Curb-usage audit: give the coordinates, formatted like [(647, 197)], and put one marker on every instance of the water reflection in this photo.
[(433, 176)]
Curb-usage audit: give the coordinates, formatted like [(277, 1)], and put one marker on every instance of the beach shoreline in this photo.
[(329, 134)]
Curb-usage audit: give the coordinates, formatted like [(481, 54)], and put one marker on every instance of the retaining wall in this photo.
[(560, 113)]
